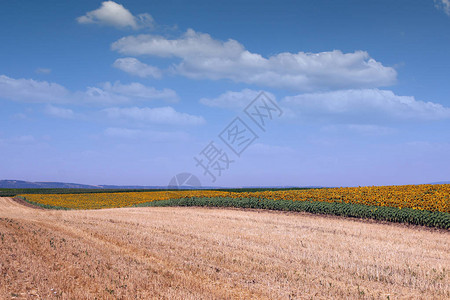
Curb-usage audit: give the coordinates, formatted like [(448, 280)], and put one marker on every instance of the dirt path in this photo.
[(192, 253)]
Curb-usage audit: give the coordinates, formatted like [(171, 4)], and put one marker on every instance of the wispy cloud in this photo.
[(233, 100), (59, 112), (18, 140), (260, 148), (443, 5), (29, 90), (362, 129), (130, 133), (43, 71), (135, 67), (19, 116), (159, 115), (113, 93), (34, 91)]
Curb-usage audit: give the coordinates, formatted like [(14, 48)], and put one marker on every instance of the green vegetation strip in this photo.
[(381, 213)]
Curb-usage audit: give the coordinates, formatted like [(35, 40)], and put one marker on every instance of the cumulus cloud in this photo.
[(111, 13), (364, 105), (29, 90), (59, 112), (443, 5), (159, 115), (234, 100), (127, 133), (135, 67), (203, 57)]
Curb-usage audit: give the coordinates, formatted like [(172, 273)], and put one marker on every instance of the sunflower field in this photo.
[(416, 204), (418, 197)]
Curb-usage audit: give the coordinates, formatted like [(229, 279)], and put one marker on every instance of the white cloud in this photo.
[(123, 132), (203, 57), (364, 105), (260, 148), (29, 90), (19, 116), (443, 5), (125, 93), (97, 95), (113, 14), (135, 67), (363, 129), (234, 100), (159, 115), (127, 133), (191, 44), (59, 112), (43, 71), (24, 139)]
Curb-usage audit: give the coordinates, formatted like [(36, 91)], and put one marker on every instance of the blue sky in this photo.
[(130, 92)]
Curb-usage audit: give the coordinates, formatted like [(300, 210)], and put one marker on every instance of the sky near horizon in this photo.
[(238, 93)]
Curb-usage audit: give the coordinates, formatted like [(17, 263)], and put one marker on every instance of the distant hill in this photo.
[(441, 182), (19, 184)]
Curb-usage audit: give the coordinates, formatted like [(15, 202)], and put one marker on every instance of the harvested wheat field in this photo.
[(201, 253)]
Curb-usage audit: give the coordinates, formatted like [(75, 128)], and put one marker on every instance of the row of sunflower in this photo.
[(110, 200), (420, 197)]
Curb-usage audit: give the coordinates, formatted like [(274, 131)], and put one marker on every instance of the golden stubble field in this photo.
[(201, 253)]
